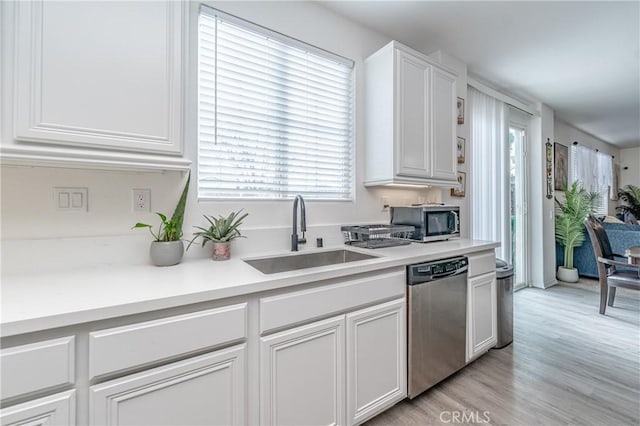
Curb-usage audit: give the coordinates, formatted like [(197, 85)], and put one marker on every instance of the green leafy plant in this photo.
[(631, 195), (169, 230), (221, 229), (569, 227)]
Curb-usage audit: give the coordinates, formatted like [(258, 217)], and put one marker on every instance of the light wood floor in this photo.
[(567, 365)]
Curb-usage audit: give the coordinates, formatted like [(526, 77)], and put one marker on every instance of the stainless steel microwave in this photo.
[(432, 222)]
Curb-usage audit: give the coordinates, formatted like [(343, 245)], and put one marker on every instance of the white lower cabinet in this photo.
[(342, 370), (54, 410), (203, 390), (302, 375), (328, 354), (376, 360), (482, 327)]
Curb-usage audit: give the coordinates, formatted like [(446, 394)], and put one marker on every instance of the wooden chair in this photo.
[(610, 277)]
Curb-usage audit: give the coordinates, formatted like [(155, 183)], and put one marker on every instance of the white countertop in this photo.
[(40, 301)]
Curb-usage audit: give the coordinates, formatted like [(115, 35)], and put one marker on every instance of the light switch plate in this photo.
[(71, 199)]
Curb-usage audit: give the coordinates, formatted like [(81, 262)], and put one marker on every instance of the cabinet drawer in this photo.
[(37, 366), (204, 390), (55, 410), (482, 263), (143, 343), (301, 306)]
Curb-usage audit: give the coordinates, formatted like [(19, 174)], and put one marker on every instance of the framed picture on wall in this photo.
[(461, 156), (462, 180), (560, 166), (460, 111)]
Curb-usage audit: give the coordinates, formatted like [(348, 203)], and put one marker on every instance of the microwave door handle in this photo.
[(456, 222)]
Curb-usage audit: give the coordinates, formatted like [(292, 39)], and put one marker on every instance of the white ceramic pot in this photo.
[(567, 275), (166, 253)]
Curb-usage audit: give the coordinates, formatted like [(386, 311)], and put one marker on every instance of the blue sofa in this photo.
[(621, 236)]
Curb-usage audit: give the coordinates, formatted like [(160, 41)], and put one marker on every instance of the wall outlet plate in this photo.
[(384, 201), (141, 200)]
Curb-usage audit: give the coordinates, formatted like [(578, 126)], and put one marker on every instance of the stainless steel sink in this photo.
[(292, 262)]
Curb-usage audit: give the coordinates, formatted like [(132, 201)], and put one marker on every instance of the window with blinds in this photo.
[(274, 114), (594, 171)]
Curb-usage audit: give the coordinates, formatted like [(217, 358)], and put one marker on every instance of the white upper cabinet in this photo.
[(444, 122), (411, 115), (96, 75)]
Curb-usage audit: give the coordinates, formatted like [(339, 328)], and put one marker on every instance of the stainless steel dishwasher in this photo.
[(437, 307)]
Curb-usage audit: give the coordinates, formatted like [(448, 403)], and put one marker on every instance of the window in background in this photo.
[(594, 171), (274, 114)]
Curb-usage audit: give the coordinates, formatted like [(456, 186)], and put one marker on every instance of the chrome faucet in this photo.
[(295, 240)]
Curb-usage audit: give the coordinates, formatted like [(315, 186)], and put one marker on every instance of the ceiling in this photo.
[(582, 58)]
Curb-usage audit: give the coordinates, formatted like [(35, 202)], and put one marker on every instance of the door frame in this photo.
[(522, 121)]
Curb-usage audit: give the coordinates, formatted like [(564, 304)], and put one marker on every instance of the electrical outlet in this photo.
[(141, 200), (384, 201)]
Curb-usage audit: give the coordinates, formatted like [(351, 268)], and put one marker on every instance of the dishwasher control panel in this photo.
[(424, 272)]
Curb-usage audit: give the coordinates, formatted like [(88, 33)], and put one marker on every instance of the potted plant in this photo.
[(221, 231), (167, 248), (631, 195), (569, 227)]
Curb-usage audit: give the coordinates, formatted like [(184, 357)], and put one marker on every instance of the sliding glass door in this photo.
[(499, 179), (518, 201)]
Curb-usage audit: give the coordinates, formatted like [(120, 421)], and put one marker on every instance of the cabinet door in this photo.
[(481, 314), (100, 74), (376, 360), (54, 410), (412, 116), (443, 158), (204, 390), (302, 375)]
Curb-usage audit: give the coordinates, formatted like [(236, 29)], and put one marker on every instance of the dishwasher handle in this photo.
[(428, 272)]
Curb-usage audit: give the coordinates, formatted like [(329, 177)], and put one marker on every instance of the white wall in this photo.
[(567, 134), (462, 131), (630, 159), (541, 209), (28, 211)]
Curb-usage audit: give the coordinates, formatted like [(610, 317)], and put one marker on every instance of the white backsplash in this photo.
[(69, 254)]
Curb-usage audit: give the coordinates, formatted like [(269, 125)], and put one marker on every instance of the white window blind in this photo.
[(490, 217), (593, 170), (275, 115)]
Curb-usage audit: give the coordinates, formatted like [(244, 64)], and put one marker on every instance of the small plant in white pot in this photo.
[(221, 231), (569, 227), (167, 248)]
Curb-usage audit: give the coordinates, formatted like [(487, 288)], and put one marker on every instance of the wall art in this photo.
[(560, 166)]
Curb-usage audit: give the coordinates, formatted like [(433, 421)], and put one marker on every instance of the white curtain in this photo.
[(489, 183), (594, 171), (605, 170), (585, 167)]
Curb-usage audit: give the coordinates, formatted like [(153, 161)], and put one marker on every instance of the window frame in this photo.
[(214, 13)]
